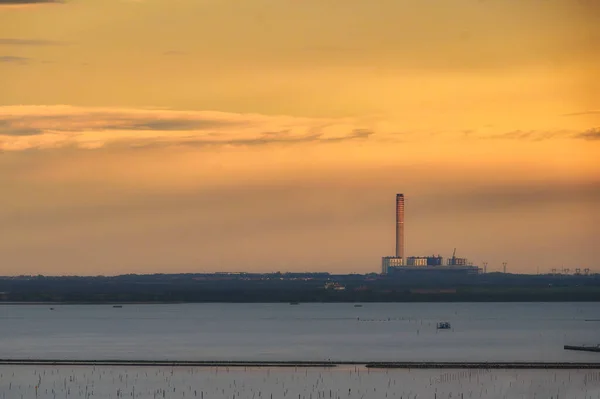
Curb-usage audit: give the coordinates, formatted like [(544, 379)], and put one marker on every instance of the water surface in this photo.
[(340, 332), (27, 382)]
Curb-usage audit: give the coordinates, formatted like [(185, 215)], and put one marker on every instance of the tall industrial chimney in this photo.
[(400, 226)]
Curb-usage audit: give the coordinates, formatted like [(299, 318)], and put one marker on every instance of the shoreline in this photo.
[(301, 364), (26, 303)]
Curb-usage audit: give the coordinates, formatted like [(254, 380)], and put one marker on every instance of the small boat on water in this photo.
[(294, 303), (358, 305), (443, 325), (117, 306)]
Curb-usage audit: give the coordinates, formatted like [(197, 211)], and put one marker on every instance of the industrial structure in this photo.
[(400, 226), (388, 262), (428, 264), (425, 261)]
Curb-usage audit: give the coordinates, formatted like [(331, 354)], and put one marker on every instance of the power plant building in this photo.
[(435, 261), (416, 261), (424, 261), (454, 261), (400, 226), (388, 262), (399, 263)]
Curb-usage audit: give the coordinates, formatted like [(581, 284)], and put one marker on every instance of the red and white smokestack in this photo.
[(400, 226)]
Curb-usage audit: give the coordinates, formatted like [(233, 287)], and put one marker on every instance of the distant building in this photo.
[(429, 264), (398, 260), (416, 261), (457, 261), (400, 226), (390, 261), (435, 261), (424, 261), (433, 270)]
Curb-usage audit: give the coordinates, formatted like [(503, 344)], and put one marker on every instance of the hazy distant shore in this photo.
[(298, 287)]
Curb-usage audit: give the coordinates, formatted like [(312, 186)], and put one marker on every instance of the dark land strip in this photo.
[(304, 364), (299, 288), (583, 348)]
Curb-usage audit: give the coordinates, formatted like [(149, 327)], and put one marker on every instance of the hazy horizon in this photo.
[(154, 136)]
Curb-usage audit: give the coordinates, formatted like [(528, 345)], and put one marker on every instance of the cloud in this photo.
[(531, 135), (46, 127), (489, 198), (20, 2), (356, 134), (27, 3), (13, 59), (592, 112), (28, 42), (590, 134), (7, 129), (167, 124), (542, 135)]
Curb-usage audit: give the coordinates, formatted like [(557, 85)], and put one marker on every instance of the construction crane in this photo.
[(453, 258)]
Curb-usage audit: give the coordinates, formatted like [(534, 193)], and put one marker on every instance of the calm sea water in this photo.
[(373, 332)]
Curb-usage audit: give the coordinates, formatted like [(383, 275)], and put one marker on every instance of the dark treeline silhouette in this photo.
[(300, 287)]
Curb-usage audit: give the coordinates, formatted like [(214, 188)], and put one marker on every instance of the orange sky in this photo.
[(217, 135)]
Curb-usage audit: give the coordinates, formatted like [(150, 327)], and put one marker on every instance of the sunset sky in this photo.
[(143, 136)]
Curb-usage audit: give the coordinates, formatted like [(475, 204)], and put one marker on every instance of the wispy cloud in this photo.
[(356, 134), (590, 134), (13, 59), (27, 3), (28, 42), (46, 127), (20, 2), (530, 135), (581, 113), (6, 128), (542, 135)]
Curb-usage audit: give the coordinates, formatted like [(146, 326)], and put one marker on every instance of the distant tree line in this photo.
[(299, 287)]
